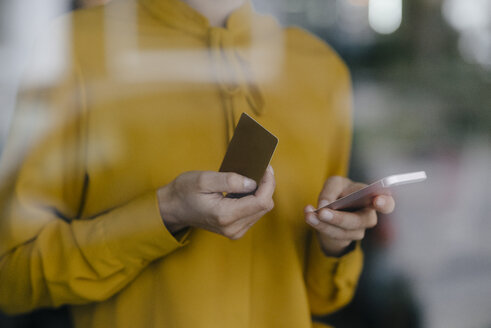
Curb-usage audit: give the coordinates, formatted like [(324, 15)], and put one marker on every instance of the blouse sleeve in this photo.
[(331, 281), (49, 255)]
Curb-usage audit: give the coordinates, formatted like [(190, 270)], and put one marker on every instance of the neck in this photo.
[(216, 11)]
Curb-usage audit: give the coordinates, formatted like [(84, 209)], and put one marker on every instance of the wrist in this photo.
[(167, 214), (334, 248)]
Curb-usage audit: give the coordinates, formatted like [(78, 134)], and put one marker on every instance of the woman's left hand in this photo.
[(338, 229)]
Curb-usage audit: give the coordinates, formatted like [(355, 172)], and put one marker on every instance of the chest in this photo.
[(143, 134)]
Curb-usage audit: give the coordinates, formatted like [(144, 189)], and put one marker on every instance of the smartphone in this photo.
[(364, 197)]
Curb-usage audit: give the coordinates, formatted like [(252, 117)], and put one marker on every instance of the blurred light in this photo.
[(472, 19), (468, 14), (475, 47), (385, 16)]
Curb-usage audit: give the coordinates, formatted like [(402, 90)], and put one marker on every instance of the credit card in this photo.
[(250, 150)]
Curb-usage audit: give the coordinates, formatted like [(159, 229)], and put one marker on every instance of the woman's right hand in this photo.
[(196, 199)]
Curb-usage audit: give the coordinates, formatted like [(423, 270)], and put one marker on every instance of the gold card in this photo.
[(250, 150)]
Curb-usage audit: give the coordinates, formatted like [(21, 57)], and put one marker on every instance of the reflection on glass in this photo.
[(429, 263)]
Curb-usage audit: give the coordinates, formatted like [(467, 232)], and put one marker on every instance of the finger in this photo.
[(362, 219), (239, 229), (235, 209), (332, 231), (249, 205), (311, 216), (333, 187), (225, 182), (309, 208), (384, 204), (267, 184)]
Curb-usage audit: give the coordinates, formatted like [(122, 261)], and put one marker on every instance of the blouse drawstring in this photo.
[(233, 76)]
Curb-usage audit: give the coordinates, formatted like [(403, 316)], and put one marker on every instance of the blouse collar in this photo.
[(179, 15)]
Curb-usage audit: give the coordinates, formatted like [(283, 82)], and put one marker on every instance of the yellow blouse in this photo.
[(149, 90)]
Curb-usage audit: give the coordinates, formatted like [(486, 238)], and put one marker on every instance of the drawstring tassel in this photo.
[(253, 94), (233, 75)]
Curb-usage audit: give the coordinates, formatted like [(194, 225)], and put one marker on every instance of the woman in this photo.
[(117, 209)]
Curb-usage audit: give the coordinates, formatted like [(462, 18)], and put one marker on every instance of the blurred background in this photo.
[(421, 73)]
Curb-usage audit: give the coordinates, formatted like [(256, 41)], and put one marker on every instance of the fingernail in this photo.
[(326, 215), (323, 202), (309, 208), (249, 183), (380, 202), (313, 220), (270, 168)]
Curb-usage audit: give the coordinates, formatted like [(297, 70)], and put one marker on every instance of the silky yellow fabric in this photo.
[(149, 90)]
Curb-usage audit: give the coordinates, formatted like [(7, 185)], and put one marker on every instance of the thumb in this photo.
[(226, 182)]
